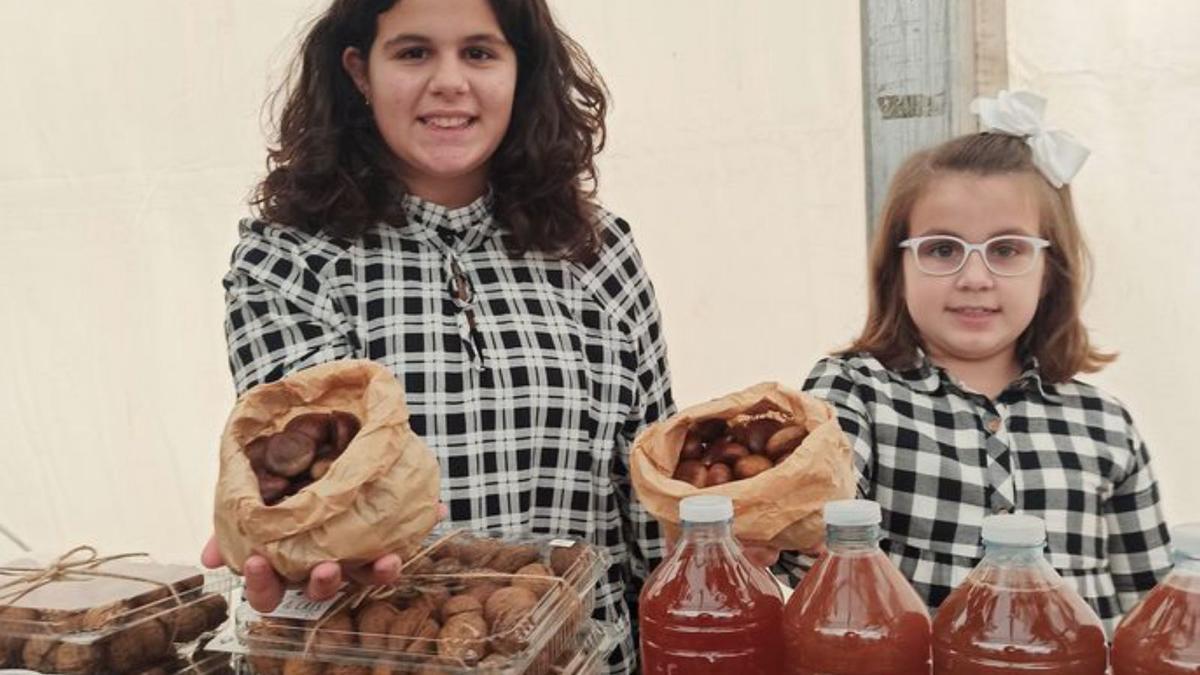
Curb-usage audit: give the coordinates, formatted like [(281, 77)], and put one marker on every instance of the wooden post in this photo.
[(924, 61)]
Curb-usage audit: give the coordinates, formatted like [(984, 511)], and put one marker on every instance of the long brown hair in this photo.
[(1056, 336), (331, 170)]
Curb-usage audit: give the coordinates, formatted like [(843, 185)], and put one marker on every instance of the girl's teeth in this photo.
[(447, 122)]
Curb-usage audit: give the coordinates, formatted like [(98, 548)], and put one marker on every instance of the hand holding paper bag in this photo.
[(379, 497)]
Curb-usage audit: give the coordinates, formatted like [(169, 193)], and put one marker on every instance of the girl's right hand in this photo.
[(264, 588)]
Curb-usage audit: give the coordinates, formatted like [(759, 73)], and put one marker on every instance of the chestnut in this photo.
[(693, 446), (290, 453), (319, 468), (725, 452), (691, 471), (271, 487), (750, 466), (345, 426), (754, 434), (314, 425), (256, 452), (784, 441), (711, 429), (719, 474)]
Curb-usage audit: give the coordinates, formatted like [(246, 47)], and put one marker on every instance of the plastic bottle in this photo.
[(1161, 635), (1015, 614), (707, 609), (854, 613)]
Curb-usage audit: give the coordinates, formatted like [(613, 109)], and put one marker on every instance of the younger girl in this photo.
[(960, 395)]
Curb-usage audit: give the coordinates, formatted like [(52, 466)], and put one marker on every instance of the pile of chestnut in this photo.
[(287, 462), (716, 452)]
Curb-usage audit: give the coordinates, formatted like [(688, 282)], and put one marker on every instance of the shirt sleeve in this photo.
[(832, 380), (1138, 541), (280, 315), (652, 396)]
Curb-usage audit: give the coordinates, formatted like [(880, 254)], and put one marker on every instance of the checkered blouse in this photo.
[(528, 376), (939, 458)]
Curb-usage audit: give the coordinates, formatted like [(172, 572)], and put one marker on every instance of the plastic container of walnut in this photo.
[(471, 603), (82, 613)]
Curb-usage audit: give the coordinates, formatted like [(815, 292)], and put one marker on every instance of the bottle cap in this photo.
[(1186, 539), (706, 509), (1014, 530), (852, 513)]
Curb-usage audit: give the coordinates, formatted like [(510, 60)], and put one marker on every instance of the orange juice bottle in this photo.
[(854, 613), (1015, 614), (1161, 635), (707, 609)]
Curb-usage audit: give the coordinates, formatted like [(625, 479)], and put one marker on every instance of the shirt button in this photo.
[(993, 425), (1001, 510)]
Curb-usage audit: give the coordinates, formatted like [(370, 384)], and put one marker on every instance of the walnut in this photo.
[(481, 589), (374, 622), (142, 642), (268, 634), (335, 631), (344, 669), (512, 558), (477, 552), (425, 641), (13, 620), (37, 653), (535, 570), (405, 626), (185, 624), (464, 637), (71, 657), (505, 611), (299, 666), (216, 608), (432, 598), (563, 559), (447, 566), (420, 566), (496, 661), (265, 665), (459, 604)]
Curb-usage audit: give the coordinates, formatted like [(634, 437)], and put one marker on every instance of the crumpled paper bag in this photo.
[(380, 496)]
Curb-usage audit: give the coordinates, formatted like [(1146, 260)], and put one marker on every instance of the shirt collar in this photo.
[(925, 376), (463, 222)]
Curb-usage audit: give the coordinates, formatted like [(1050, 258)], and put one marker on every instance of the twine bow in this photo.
[(78, 564)]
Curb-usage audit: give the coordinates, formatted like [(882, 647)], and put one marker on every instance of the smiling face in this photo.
[(440, 79), (973, 318)]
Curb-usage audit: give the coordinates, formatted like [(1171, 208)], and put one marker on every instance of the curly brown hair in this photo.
[(330, 169), (1056, 335)]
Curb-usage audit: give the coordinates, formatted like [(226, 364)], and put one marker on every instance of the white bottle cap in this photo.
[(706, 509), (852, 513), (1014, 530), (1186, 539)]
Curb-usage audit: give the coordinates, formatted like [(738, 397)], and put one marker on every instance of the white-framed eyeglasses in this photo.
[(1006, 256)]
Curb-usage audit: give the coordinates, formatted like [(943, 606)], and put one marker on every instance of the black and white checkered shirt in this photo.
[(528, 377), (939, 458)]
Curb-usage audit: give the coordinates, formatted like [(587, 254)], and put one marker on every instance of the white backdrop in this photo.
[(131, 137)]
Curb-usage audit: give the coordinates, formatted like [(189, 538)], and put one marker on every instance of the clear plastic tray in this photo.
[(529, 641), (590, 656), (115, 617)]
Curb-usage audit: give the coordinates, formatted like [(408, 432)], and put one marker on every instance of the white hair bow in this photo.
[(1055, 153)]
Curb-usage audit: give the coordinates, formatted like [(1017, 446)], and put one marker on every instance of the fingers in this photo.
[(264, 588), (443, 511), (324, 581), (761, 554), (210, 557), (384, 571)]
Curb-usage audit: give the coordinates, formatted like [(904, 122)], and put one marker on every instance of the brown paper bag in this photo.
[(380, 496), (781, 506)]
